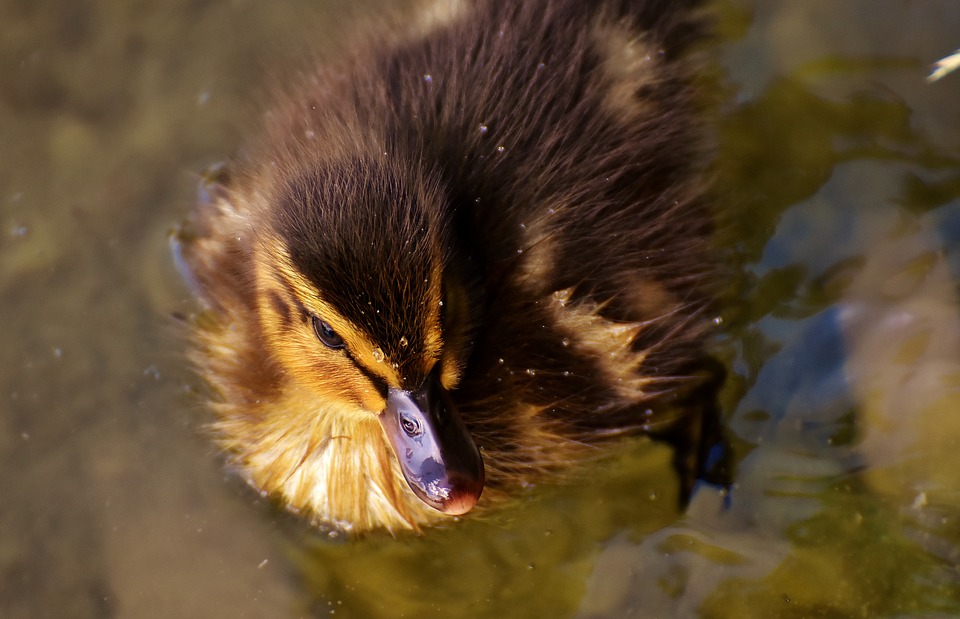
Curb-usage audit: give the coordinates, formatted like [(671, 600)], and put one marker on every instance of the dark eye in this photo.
[(327, 335), (410, 425)]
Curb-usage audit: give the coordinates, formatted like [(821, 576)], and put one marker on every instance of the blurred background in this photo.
[(838, 192)]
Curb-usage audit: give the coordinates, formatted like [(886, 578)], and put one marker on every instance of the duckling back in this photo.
[(507, 207)]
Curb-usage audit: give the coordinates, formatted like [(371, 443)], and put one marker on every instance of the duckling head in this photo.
[(357, 302)]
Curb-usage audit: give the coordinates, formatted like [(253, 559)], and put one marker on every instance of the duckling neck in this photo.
[(331, 465)]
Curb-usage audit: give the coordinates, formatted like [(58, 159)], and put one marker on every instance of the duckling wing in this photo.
[(211, 247)]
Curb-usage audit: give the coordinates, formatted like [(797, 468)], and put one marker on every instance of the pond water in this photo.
[(839, 192)]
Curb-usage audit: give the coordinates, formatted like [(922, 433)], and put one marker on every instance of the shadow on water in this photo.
[(844, 224), (533, 558)]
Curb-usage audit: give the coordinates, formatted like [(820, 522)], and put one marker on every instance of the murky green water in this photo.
[(839, 178)]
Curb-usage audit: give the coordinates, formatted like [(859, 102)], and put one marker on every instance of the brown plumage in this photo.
[(485, 233)]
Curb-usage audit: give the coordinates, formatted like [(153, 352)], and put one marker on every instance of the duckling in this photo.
[(460, 258)]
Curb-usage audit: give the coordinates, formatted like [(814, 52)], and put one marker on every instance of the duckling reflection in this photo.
[(484, 238)]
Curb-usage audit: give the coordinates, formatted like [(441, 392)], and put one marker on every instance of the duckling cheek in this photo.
[(437, 456)]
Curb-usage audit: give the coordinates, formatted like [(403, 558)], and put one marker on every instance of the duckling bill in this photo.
[(483, 235)]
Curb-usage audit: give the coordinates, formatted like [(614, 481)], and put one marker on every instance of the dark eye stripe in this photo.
[(301, 309), (378, 383), (281, 308), (329, 338)]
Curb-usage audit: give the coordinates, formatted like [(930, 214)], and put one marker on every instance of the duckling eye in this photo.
[(410, 425), (327, 335)]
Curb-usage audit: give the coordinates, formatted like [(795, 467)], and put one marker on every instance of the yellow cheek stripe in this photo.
[(433, 337), (362, 350)]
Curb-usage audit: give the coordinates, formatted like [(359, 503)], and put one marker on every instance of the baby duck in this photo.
[(458, 259)]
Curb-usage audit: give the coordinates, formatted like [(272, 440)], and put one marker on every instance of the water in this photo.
[(839, 181)]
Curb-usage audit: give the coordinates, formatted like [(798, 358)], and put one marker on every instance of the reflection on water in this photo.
[(839, 174)]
